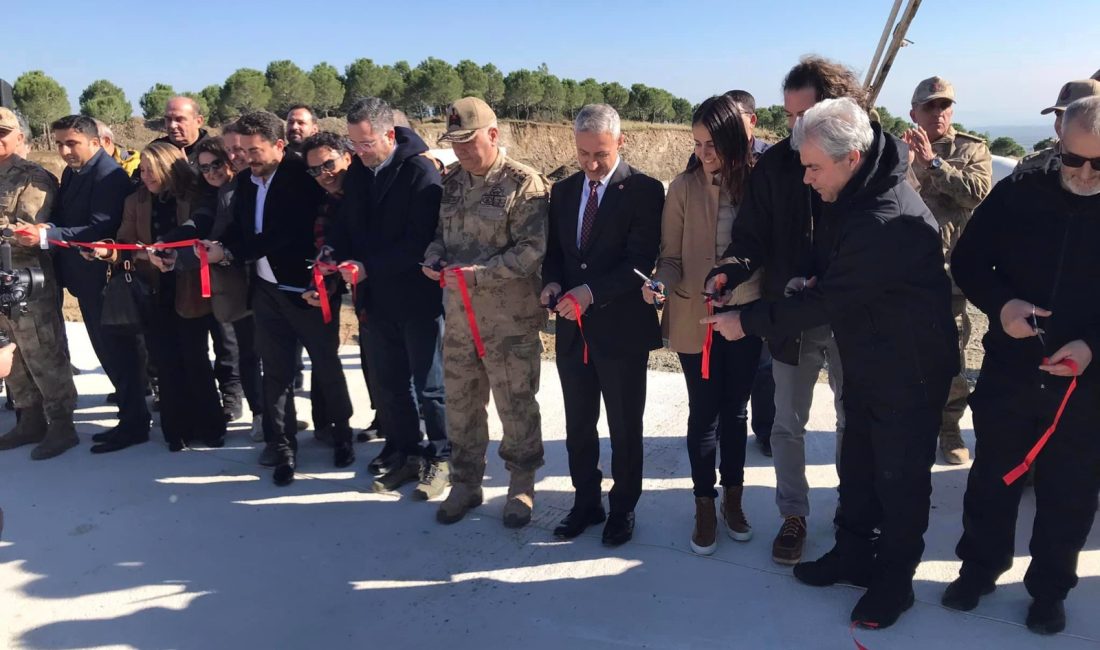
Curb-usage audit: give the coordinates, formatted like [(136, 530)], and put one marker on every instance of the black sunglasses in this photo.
[(1075, 161), (327, 166), (211, 167)]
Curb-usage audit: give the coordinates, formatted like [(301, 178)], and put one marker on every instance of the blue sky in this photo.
[(1007, 59)]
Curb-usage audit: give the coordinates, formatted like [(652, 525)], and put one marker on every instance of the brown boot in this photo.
[(30, 429), (704, 538), (60, 437), (463, 498), (953, 448), (521, 499), (787, 547), (736, 524)]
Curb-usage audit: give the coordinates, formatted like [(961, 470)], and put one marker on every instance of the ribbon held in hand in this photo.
[(580, 326), (471, 318), (1023, 467), (708, 339), (204, 262), (319, 269)]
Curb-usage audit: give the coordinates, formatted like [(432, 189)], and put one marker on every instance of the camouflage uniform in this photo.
[(41, 376), (496, 224), (1045, 160), (952, 192)]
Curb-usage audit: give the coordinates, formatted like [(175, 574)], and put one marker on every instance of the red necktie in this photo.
[(590, 208)]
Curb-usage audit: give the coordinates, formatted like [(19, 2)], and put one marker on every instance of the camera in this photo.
[(16, 285)]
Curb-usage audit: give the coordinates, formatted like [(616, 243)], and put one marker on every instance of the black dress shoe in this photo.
[(1045, 616), (880, 607), (118, 443), (619, 529), (832, 568), (578, 519), (284, 471), (343, 455), (964, 593), (386, 462), (113, 432)]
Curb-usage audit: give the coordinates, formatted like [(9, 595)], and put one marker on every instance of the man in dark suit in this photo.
[(605, 221), (388, 217), (89, 208), (273, 215)]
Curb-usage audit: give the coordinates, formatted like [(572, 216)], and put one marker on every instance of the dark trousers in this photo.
[(236, 365), (248, 362), (280, 324), (718, 411), (1067, 480), (368, 378), (190, 405), (317, 410), (621, 381), (122, 360), (886, 483), (763, 397), (407, 366)]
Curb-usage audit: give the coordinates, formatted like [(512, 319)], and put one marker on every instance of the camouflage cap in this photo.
[(933, 88), (1096, 76), (465, 117), (8, 120), (1073, 91)]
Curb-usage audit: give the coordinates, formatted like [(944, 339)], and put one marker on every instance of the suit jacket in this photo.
[(625, 236), (88, 208), (286, 239), (386, 221)]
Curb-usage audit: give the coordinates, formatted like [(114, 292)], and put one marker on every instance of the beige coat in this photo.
[(688, 227)]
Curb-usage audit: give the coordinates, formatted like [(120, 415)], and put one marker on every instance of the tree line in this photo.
[(422, 92)]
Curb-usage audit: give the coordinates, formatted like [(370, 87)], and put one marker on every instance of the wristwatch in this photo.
[(936, 163)]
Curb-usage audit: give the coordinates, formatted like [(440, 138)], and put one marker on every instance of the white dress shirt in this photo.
[(263, 267)]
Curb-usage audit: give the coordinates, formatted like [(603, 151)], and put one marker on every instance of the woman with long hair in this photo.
[(696, 226), (167, 207)]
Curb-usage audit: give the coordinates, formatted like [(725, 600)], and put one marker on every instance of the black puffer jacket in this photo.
[(1032, 240), (882, 287)]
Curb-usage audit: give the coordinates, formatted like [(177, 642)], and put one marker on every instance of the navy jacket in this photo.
[(88, 208), (625, 236), (386, 222), (882, 287)]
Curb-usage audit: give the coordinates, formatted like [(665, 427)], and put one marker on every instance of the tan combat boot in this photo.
[(30, 429), (521, 499), (953, 448), (736, 524), (463, 498), (704, 538), (60, 437)]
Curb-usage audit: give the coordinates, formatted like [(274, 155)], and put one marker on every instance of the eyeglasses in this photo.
[(1075, 161), (364, 145), (211, 167), (327, 166)]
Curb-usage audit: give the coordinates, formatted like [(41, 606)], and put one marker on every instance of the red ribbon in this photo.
[(580, 326), (204, 262), (852, 631), (460, 278), (708, 341), (319, 268), (1023, 467)]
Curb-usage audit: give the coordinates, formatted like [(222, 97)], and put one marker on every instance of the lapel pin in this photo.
[(620, 186)]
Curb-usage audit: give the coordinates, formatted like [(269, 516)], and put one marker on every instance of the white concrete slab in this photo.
[(198, 550)]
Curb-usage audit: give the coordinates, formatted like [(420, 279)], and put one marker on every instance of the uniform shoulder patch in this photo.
[(969, 136), (451, 170)]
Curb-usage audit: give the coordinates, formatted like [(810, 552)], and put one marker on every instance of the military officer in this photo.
[(1047, 159), (40, 367), (955, 173), (489, 245)]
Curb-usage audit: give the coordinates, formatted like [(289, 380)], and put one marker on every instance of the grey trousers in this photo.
[(794, 391)]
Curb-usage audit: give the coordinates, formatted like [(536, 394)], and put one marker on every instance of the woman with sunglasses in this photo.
[(696, 226), (167, 208)]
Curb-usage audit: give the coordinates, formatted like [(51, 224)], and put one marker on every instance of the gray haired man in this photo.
[(883, 288), (605, 221)]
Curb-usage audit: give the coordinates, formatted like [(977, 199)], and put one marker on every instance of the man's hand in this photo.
[(552, 289), (430, 264), (919, 145), (798, 285), (715, 284), (653, 297), (215, 252), (356, 276), (1015, 318), (728, 324), (312, 297), (566, 309), (94, 254), (1075, 351), (467, 271), (164, 260), (28, 234)]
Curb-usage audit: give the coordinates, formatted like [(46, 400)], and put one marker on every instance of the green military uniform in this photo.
[(1045, 160), (41, 375), (496, 224), (952, 191)]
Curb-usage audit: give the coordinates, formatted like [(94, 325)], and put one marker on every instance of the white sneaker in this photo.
[(257, 433)]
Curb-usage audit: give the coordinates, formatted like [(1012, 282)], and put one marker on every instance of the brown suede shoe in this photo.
[(462, 499), (736, 524), (953, 448), (787, 547), (521, 499), (29, 430), (704, 538)]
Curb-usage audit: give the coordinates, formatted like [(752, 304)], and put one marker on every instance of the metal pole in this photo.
[(882, 43), (891, 54)]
